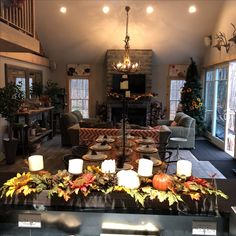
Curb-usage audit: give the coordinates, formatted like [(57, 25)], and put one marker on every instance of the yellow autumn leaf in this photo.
[(66, 196), (195, 196)]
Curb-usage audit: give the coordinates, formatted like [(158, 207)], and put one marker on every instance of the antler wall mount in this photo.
[(222, 41)]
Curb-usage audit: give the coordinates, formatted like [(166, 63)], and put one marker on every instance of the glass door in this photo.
[(216, 87), (220, 104), (231, 109), (209, 99)]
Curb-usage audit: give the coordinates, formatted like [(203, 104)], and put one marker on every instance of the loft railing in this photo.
[(18, 14)]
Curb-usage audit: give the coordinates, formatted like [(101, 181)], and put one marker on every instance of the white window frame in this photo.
[(171, 116), (69, 93)]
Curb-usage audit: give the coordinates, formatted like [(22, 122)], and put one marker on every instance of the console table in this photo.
[(26, 118)]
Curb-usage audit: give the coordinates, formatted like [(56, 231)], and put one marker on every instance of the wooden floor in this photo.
[(53, 154)]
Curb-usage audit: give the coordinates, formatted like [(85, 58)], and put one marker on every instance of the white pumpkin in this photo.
[(128, 179)]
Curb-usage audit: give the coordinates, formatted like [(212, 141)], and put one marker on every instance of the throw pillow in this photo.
[(185, 121), (178, 116), (173, 123)]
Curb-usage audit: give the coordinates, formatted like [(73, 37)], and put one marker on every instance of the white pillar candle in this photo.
[(35, 163), (108, 166), (75, 166), (184, 167), (124, 84), (145, 167)]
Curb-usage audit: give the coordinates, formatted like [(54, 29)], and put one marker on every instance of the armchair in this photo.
[(76, 120), (182, 126)]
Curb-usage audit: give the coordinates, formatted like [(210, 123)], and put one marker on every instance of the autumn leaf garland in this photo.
[(64, 185)]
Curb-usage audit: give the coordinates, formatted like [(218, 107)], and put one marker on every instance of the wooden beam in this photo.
[(16, 37), (27, 57)]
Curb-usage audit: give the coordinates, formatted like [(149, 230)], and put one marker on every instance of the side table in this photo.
[(178, 140)]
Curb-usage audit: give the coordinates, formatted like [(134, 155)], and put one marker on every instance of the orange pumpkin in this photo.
[(162, 181)]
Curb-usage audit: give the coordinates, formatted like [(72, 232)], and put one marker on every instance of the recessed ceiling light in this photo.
[(105, 9), (149, 10), (63, 10), (192, 9)]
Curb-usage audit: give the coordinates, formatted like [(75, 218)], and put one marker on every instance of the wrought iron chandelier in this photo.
[(126, 66)]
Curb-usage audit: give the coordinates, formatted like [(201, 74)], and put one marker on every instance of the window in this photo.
[(79, 95), (177, 75), (175, 89), (24, 77)]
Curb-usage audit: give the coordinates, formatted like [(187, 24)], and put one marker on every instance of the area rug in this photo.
[(201, 169), (206, 151)]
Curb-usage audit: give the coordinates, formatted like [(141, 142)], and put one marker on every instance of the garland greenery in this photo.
[(133, 97), (65, 185)]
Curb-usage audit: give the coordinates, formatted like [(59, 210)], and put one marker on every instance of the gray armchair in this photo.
[(70, 119), (182, 126), (71, 122)]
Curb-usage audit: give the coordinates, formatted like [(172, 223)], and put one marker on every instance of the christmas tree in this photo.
[(191, 97)]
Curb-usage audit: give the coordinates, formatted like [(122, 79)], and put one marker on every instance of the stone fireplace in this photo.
[(138, 110)]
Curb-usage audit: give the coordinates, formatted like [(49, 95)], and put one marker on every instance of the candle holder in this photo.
[(122, 157)]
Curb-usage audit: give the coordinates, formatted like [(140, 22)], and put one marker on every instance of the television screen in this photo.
[(137, 83)]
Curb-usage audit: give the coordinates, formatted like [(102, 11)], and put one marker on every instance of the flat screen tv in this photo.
[(137, 83)]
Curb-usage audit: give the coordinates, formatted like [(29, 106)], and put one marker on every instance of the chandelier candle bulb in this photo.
[(145, 167), (75, 166), (184, 168), (108, 166), (35, 163)]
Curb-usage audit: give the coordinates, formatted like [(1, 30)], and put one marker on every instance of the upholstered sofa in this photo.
[(182, 126), (76, 120)]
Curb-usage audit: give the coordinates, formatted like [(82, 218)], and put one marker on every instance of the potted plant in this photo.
[(37, 89), (11, 98)]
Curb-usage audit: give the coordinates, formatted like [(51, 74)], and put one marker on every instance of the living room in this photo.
[(71, 41)]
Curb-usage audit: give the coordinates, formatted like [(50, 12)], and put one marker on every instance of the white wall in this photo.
[(159, 81), (5, 60), (97, 82), (227, 16)]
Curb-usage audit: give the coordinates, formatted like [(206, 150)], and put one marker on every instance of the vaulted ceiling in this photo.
[(84, 33)]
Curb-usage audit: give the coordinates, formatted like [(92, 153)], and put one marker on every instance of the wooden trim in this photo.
[(227, 58), (27, 57), (17, 38)]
